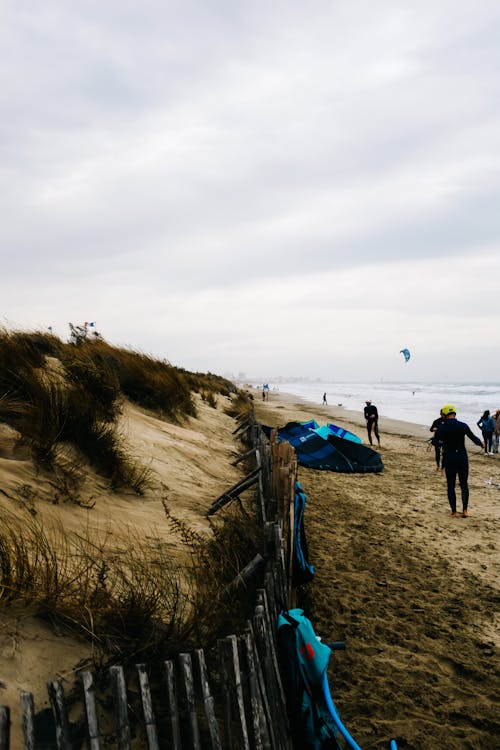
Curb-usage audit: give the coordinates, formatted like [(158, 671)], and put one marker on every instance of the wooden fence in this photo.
[(247, 709)]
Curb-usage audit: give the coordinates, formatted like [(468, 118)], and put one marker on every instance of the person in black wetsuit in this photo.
[(455, 461), (435, 442), (371, 416)]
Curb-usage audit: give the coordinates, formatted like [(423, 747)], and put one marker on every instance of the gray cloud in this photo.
[(186, 147)]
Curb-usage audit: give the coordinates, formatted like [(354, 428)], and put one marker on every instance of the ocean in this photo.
[(418, 403)]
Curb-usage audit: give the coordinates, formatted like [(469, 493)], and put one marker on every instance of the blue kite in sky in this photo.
[(405, 353)]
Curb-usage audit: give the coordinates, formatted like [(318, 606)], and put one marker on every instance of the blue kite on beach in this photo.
[(325, 450), (405, 353)]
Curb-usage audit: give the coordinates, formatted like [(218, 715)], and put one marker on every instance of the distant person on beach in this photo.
[(371, 416), (325, 402), (263, 394), (452, 435), (496, 434), (435, 442), (487, 427)]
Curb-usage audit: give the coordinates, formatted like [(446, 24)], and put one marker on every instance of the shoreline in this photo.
[(342, 416), (394, 402)]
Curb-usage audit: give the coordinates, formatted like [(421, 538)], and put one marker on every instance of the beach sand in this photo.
[(413, 592)]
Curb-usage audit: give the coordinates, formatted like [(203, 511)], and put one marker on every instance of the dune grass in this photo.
[(132, 602)]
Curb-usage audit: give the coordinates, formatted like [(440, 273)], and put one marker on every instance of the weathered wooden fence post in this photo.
[(56, 697), (28, 711), (172, 706), (234, 706), (208, 701), (120, 699), (186, 669), (147, 708), (88, 685)]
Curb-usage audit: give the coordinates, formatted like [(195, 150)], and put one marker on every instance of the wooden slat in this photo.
[(267, 708), (121, 712), (234, 702), (172, 706), (243, 426), (147, 708), (88, 685), (4, 727), (208, 701), (262, 499), (259, 728), (28, 711), (243, 457), (271, 674), (56, 697), (186, 675), (272, 647), (234, 492), (249, 571)]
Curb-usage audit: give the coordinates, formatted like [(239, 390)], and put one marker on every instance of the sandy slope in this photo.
[(413, 592), (190, 467)]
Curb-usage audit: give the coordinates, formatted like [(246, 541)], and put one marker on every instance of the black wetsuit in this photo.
[(371, 416), (435, 442), (455, 461)]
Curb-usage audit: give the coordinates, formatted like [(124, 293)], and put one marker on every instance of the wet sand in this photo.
[(413, 592)]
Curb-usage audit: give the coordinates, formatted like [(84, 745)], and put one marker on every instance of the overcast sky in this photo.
[(267, 187)]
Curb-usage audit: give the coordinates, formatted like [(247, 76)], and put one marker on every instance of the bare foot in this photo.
[(454, 515), (465, 514)]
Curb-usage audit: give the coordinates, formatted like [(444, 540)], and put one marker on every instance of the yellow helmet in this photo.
[(448, 409)]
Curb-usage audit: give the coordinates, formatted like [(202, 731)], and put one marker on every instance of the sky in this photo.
[(260, 188)]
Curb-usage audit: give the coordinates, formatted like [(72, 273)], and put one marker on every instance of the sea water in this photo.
[(418, 403)]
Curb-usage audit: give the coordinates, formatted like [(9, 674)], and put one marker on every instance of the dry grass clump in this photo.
[(128, 602), (241, 406), (134, 602), (208, 383), (151, 383), (78, 401), (78, 407)]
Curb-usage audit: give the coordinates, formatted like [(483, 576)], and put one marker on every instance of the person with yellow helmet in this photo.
[(451, 434)]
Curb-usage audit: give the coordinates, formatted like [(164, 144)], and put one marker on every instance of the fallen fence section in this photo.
[(247, 710)]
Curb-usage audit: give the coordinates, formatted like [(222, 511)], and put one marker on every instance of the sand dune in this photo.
[(190, 467)]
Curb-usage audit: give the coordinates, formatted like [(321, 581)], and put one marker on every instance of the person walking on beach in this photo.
[(496, 434), (487, 427), (371, 416), (435, 442), (325, 402), (452, 435)]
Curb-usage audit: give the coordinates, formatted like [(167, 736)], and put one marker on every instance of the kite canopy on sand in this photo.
[(331, 453)]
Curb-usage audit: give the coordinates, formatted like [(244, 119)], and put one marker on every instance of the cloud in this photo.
[(156, 157)]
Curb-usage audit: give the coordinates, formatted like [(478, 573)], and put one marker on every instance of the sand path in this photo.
[(413, 592)]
